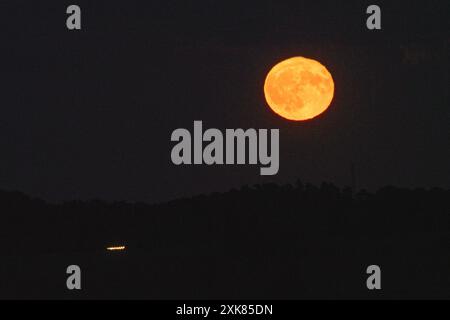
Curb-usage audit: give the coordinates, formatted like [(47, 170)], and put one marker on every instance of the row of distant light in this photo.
[(116, 248)]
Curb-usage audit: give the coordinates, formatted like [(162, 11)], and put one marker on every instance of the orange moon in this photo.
[(299, 88)]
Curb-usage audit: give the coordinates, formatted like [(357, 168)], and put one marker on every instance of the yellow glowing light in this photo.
[(299, 88), (117, 248)]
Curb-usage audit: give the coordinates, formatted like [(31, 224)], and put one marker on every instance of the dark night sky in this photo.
[(88, 114)]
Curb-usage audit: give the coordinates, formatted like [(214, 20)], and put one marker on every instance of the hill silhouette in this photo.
[(262, 242)]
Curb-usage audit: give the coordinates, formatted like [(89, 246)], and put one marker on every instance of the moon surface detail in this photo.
[(299, 88)]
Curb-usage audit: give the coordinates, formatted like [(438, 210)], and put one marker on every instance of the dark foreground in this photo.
[(264, 242)]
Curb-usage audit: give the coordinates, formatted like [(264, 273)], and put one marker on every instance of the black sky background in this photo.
[(88, 114)]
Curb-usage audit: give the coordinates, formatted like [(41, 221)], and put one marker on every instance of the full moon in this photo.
[(299, 88)]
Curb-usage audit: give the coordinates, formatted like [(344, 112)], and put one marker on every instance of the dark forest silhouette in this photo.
[(265, 241)]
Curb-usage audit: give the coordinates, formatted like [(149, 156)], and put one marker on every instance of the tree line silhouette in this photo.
[(264, 241)]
